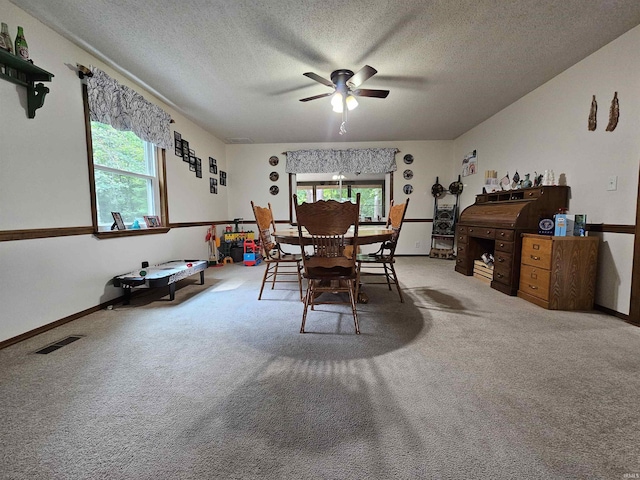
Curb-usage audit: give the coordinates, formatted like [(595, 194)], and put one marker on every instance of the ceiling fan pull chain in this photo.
[(343, 125)]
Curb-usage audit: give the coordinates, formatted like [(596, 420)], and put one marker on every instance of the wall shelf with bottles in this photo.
[(26, 74)]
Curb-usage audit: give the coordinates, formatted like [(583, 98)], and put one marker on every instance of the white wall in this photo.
[(547, 129), (250, 168), (44, 184)]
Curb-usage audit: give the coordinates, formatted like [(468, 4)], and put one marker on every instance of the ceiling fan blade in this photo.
[(361, 76), (364, 92), (319, 79), (316, 97)]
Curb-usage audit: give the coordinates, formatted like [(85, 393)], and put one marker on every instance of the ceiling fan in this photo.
[(346, 83), (345, 88)]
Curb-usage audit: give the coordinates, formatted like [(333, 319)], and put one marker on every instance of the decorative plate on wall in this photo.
[(273, 190), (274, 176), (273, 161), (407, 174), (408, 159), (407, 189)]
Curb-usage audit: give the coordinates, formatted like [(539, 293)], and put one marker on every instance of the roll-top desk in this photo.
[(494, 224)]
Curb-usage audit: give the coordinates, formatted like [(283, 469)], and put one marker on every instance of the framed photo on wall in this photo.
[(178, 143), (185, 150)]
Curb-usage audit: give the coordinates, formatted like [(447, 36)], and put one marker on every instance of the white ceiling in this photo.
[(235, 67)]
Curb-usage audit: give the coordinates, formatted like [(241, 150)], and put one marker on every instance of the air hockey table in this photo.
[(168, 273)]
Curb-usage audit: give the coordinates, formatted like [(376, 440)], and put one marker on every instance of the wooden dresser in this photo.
[(495, 224), (559, 273)]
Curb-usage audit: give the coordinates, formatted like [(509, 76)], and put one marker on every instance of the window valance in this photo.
[(360, 160), (125, 109)]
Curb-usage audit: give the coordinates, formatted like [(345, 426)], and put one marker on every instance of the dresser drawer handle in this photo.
[(502, 245), (533, 257), (500, 259), (530, 194), (533, 287), (499, 275), (471, 229), (502, 234), (460, 238)]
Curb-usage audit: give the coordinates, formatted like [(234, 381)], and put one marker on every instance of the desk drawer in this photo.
[(506, 235), (464, 263), (481, 232), (535, 281), (462, 238), (503, 259), (461, 251), (502, 273), (535, 193), (536, 252), (461, 230), (503, 246)]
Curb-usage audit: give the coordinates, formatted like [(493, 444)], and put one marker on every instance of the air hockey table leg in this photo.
[(127, 295), (201, 277), (172, 291)]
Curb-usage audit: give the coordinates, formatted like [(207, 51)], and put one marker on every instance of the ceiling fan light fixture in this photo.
[(336, 102), (351, 102)]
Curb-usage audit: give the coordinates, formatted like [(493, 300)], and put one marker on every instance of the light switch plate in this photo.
[(613, 183)]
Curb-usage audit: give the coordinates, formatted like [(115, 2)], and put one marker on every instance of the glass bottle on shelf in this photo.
[(22, 50), (3, 42), (4, 32), (3, 46)]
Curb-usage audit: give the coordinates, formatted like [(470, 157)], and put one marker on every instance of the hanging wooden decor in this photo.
[(592, 114), (614, 113)]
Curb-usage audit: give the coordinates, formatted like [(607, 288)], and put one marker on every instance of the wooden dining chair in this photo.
[(278, 263), (323, 225), (381, 263)]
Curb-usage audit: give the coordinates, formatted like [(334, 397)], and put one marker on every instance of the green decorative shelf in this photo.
[(26, 74)]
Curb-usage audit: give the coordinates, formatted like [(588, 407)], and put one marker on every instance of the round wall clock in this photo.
[(274, 190), (274, 176), (273, 161), (407, 189), (407, 174), (408, 159)]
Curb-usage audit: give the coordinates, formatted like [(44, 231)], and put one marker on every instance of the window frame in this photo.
[(160, 159), (387, 194)]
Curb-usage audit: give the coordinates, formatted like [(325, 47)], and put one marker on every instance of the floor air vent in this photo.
[(59, 344)]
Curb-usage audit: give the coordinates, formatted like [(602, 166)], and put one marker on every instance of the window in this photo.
[(342, 187), (125, 176)]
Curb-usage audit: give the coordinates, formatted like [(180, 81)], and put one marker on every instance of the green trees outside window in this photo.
[(371, 195), (124, 173)]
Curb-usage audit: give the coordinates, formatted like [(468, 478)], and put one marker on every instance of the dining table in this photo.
[(366, 236)]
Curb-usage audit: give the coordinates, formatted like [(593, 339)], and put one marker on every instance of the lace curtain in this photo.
[(360, 160), (125, 109)]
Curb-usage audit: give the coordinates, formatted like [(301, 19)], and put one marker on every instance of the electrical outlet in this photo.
[(613, 183), (417, 245)]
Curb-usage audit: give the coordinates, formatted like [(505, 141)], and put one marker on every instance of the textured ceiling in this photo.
[(236, 67)]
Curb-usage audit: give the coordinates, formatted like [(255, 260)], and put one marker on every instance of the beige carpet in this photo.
[(460, 381)]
